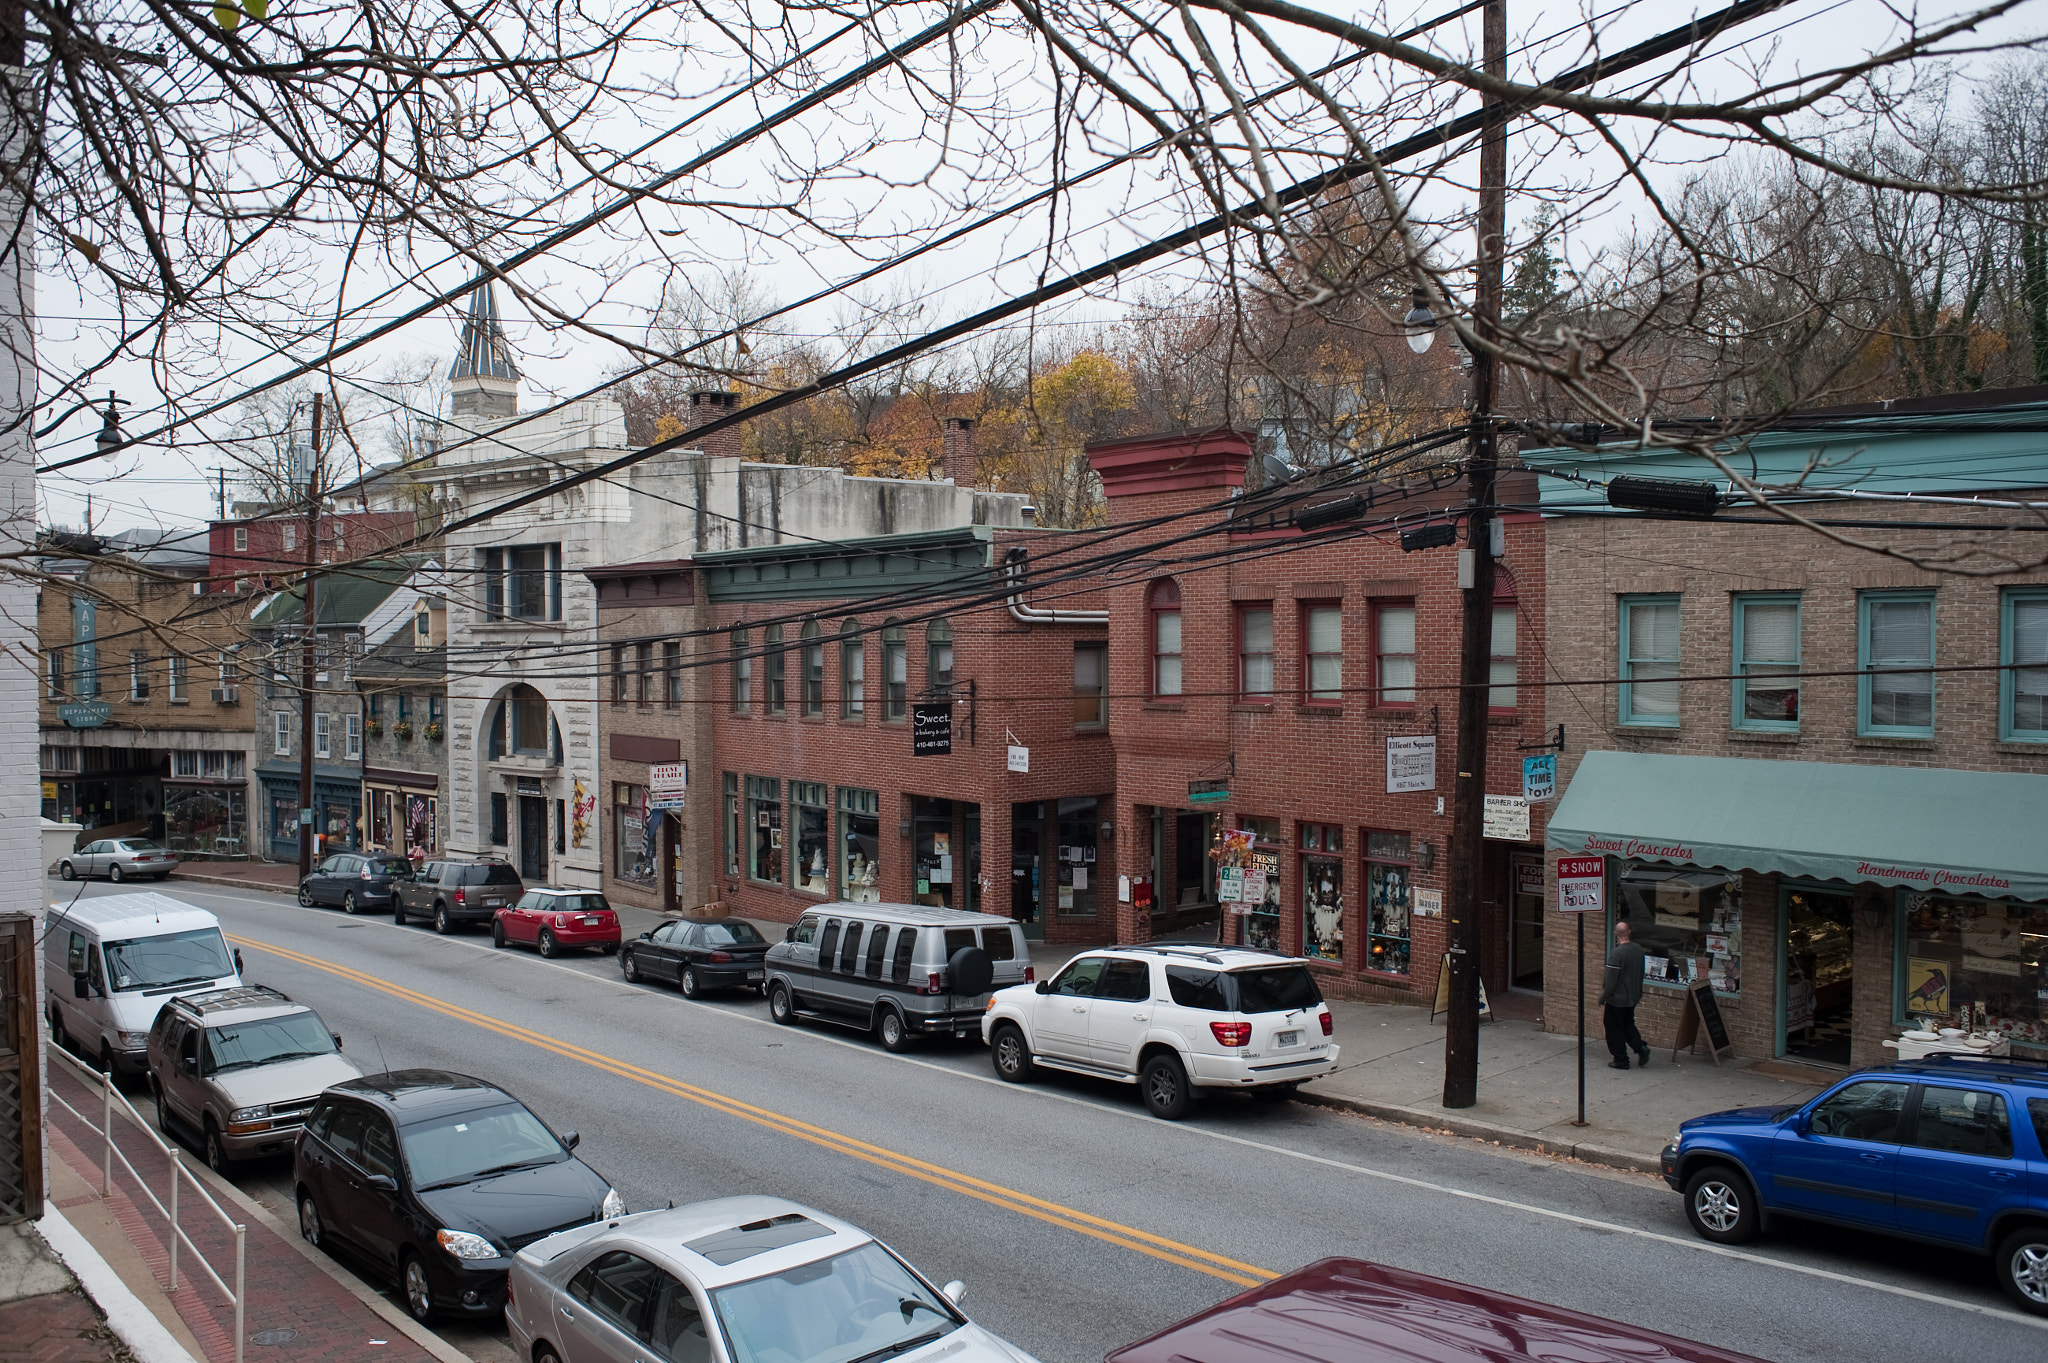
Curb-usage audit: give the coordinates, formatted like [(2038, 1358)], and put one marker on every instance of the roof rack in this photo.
[(233, 996), (1966, 1060)]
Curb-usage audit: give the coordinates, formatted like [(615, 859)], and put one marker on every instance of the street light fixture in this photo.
[(1421, 324)]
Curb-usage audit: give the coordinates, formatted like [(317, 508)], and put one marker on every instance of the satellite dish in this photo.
[(1278, 470)]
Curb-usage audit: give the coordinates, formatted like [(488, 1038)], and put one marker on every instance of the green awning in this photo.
[(1963, 832)]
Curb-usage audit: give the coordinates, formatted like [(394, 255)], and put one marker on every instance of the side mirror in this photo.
[(789, 933), (1043, 986), (646, 937), (238, 960), (381, 1183), (337, 1039), (572, 1139), (81, 987), (956, 1291), (1802, 1123), (189, 1064)]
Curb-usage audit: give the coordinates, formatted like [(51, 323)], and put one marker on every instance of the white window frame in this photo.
[(352, 738), (174, 675), (322, 743), (281, 733)]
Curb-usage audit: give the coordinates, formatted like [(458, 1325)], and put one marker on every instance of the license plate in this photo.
[(756, 974), (494, 903), (591, 920), (1287, 1039)]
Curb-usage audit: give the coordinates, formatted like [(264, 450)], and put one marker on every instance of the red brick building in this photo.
[(1293, 684), (243, 553)]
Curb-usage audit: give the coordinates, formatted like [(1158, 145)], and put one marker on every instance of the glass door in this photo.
[(1525, 924), (1816, 973)]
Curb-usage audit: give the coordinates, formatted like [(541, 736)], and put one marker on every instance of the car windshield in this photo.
[(239, 1045), (449, 1150), (174, 958), (862, 1304), (732, 935), (493, 874), (1276, 989), (139, 845)]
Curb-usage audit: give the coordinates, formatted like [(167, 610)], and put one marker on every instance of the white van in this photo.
[(110, 963)]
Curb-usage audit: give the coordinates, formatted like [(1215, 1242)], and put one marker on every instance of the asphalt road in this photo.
[(1078, 1222)]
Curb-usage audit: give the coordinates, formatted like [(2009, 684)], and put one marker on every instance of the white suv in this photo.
[(1171, 1019)]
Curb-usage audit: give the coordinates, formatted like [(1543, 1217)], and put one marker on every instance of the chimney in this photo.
[(958, 459), (709, 406)]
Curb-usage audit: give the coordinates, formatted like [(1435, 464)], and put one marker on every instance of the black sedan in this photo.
[(357, 881), (436, 1180), (724, 953)]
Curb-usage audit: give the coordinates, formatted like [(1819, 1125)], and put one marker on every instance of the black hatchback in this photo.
[(724, 953), (436, 1180), (357, 881)]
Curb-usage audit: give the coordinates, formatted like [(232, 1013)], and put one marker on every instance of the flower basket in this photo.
[(433, 733), (402, 731), (375, 728)]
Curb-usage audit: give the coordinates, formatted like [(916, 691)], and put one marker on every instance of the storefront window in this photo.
[(931, 842), (764, 825), (1322, 891), (1262, 920), (1976, 963), (729, 789), (635, 857), (807, 801), (206, 818), (1689, 920), (860, 841), (1079, 829), (1387, 902)]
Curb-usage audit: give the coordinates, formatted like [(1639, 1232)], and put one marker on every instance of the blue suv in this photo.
[(1951, 1150)]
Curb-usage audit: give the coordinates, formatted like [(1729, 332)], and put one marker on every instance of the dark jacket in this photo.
[(1622, 986)]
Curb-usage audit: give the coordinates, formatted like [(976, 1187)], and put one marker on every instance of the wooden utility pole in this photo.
[(1468, 792), (309, 639)]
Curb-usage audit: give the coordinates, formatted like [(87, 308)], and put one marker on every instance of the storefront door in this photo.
[(1816, 937), (932, 842), (1525, 924), (533, 839), (1027, 867)]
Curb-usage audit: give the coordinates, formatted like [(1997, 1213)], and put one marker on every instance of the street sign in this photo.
[(85, 714), (1506, 818), (1411, 763), (674, 803), (931, 730), (1019, 758), (1581, 884), (1214, 792), (1539, 777), (666, 778)]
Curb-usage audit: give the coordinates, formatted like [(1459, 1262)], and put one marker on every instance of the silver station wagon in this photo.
[(898, 970)]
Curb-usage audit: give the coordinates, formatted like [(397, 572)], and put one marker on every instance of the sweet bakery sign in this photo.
[(1635, 847)]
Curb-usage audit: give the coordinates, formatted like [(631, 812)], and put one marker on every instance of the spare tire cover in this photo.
[(970, 971)]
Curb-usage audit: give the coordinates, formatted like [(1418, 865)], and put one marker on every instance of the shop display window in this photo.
[(1269, 842), (1389, 898), (636, 857), (729, 790), (860, 842), (207, 818), (1689, 920), (808, 805), (1975, 963), (1074, 876), (764, 829), (1322, 891)]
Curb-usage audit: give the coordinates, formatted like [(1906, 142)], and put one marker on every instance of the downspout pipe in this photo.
[(1013, 573)]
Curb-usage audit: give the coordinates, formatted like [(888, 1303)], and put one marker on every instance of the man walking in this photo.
[(1620, 991)]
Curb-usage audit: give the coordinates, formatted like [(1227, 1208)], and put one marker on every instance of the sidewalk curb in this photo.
[(391, 1315), (126, 1315), (1485, 1131), (233, 882)]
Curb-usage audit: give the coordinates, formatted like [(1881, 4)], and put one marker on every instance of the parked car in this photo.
[(898, 970), (1361, 1312), (1173, 1020), (453, 893), (1950, 1150), (746, 1279), (357, 881), (555, 921), (120, 859), (238, 1069), (723, 954), (435, 1180), (107, 964)]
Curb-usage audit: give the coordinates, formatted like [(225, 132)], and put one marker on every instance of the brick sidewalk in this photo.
[(285, 1290), (254, 875), (62, 1327)]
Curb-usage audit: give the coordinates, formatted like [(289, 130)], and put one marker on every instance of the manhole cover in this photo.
[(273, 1336)]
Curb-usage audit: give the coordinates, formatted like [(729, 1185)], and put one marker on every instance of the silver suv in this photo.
[(239, 1068), (1172, 1019), (898, 970)]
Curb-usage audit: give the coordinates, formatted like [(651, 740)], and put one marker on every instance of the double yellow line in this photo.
[(952, 1180)]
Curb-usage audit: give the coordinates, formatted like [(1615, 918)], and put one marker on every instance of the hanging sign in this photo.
[(1539, 777), (931, 730), (1506, 818), (668, 779), (1411, 763), (1019, 758), (1581, 884), (1209, 792)]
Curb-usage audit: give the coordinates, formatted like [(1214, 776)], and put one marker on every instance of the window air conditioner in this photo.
[(227, 695)]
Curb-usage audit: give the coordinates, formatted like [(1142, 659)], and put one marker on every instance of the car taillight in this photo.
[(363, 874), (720, 957), (509, 1302), (1328, 1026), (934, 983), (1030, 975), (461, 897), (1232, 1033)]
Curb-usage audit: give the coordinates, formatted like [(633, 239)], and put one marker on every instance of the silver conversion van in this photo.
[(110, 963), (898, 970)]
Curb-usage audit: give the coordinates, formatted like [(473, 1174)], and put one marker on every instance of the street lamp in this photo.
[(110, 438), (1421, 324)]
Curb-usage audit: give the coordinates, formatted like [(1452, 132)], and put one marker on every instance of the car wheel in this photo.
[(397, 912), (58, 1036), (1720, 1205), (348, 902), (217, 1157), (1164, 1083), (498, 936), (895, 1036), (1274, 1093), (691, 989), (780, 1006), (610, 948), (310, 1229), (2022, 1268), (305, 897), (163, 1113), (442, 924), (545, 1353), (419, 1293), (549, 947), (628, 968), (116, 874), (66, 870), (106, 1065), (1009, 1054)]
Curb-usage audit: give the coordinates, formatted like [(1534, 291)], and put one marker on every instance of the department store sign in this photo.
[(85, 714)]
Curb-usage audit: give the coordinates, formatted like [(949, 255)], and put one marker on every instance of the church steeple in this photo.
[(483, 381)]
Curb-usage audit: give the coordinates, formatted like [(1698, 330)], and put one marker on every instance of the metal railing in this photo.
[(109, 1095)]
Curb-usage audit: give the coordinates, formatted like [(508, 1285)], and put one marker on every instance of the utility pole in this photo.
[(1468, 793), (309, 641)]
